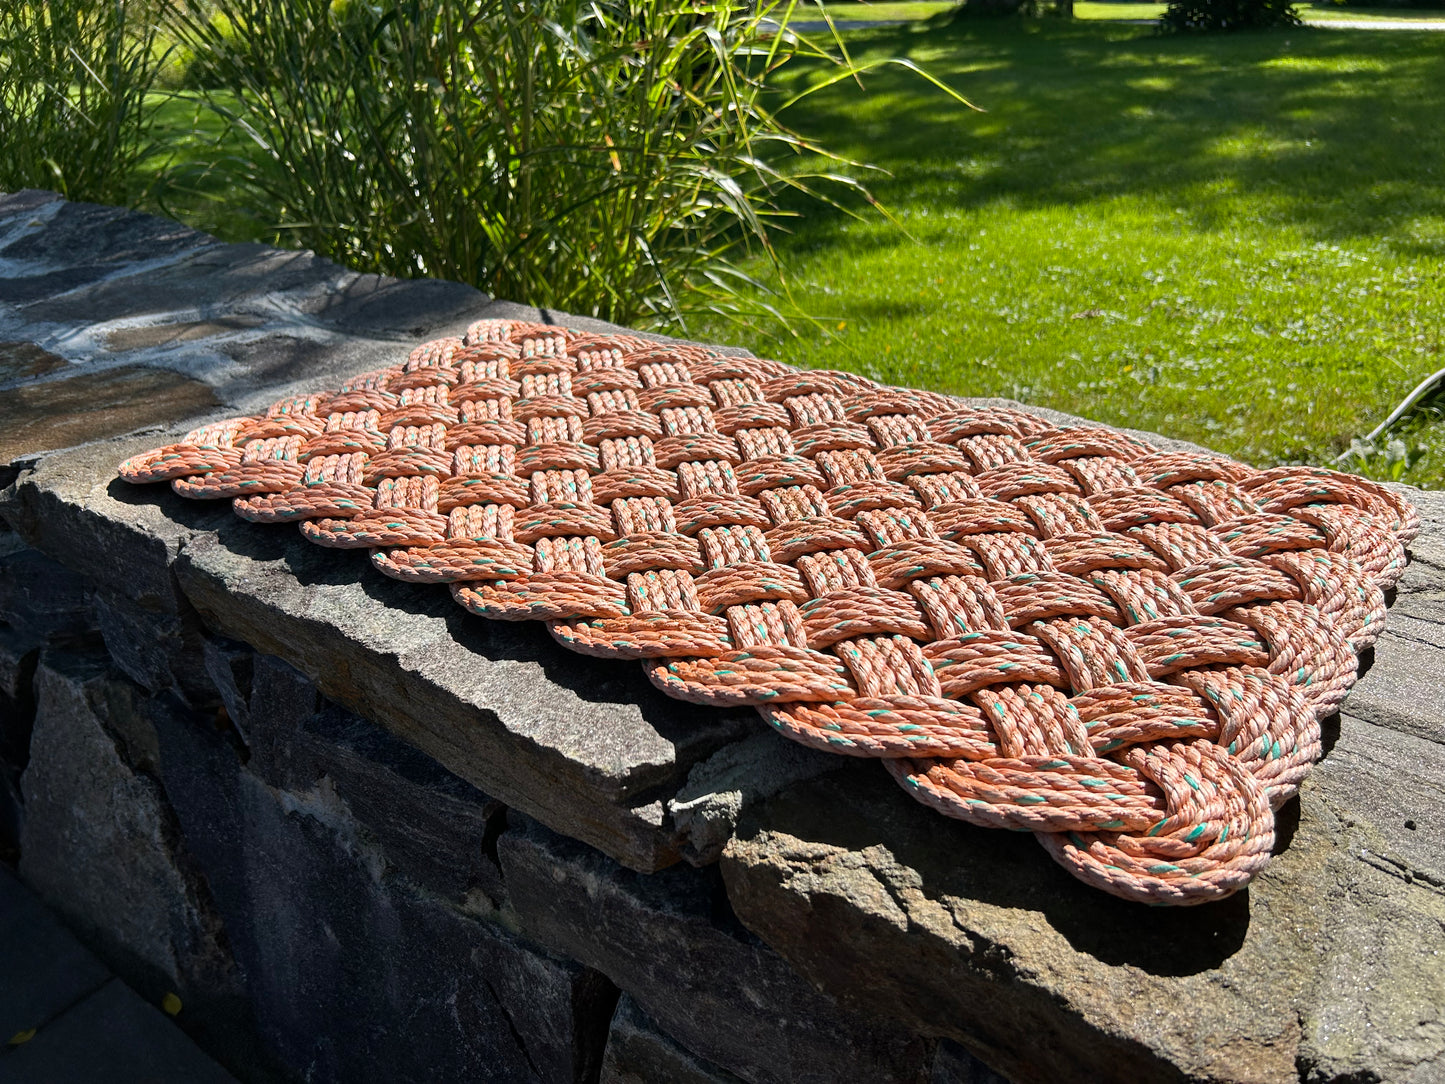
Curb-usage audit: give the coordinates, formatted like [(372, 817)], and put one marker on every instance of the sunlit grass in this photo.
[(1237, 240), (1335, 13), (846, 11), (1125, 12)]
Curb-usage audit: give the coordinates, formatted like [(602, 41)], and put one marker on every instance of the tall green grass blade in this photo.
[(600, 157), (74, 81)]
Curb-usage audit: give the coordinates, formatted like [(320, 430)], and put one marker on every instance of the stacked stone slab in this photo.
[(367, 833)]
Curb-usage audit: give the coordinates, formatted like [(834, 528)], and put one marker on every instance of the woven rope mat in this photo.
[(1123, 650)]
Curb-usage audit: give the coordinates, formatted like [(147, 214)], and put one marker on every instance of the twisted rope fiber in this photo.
[(1063, 630)]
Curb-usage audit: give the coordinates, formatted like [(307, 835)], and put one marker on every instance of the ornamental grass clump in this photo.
[(74, 81), (614, 159)]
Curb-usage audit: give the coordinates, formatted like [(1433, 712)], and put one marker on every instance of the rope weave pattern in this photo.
[(1063, 630)]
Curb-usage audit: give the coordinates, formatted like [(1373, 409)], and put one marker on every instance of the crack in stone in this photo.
[(1406, 872), (501, 1004), (1397, 633)]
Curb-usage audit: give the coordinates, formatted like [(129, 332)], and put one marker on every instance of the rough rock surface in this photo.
[(67, 1019), (638, 1053), (1403, 684), (1331, 966), (365, 957), (669, 941), (44, 599), (98, 843), (354, 973), (156, 651), (432, 826), (955, 1065), (580, 743), (707, 808)]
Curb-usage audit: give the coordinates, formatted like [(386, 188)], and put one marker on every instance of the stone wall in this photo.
[(364, 835), (317, 889)]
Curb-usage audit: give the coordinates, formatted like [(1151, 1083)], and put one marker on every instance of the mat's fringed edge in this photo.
[(1064, 630)]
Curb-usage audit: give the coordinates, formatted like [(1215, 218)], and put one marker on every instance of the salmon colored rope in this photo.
[(1063, 630)]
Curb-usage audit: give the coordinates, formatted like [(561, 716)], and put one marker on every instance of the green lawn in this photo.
[(1235, 240), (1126, 12), (1335, 13), (850, 11), (845, 11)]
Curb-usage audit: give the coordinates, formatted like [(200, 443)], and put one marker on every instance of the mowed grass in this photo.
[(1310, 13), (1128, 12), (1335, 13), (849, 11), (846, 11), (1236, 240)]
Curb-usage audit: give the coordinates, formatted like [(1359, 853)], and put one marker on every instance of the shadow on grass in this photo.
[(1333, 131)]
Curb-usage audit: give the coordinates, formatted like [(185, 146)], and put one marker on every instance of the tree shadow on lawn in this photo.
[(1335, 132)]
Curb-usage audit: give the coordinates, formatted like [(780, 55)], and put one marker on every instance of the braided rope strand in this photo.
[(1064, 630)]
